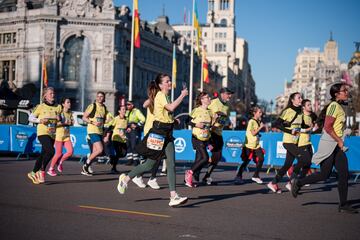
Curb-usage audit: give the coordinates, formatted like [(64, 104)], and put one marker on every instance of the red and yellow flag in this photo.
[(205, 67), (44, 73), (136, 29)]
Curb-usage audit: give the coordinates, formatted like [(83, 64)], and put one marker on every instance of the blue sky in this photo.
[(275, 30)]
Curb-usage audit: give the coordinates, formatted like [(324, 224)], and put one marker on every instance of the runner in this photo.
[(159, 143), (117, 133), (95, 116), (252, 149), (62, 138), (201, 122), (331, 150), (290, 122), (47, 115), (220, 107)]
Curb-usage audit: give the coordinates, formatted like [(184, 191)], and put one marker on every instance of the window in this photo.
[(220, 47), (224, 4), (7, 38), (211, 5), (223, 22)]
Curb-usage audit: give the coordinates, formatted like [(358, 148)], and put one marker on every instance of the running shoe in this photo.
[(40, 176), (51, 172), (209, 181), (139, 182), (295, 188), (153, 184), (33, 177), (177, 200), (163, 173), (85, 170), (188, 178), (238, 180), (90, 170), (288, 186), (60, 168), (347, 209), (257, 180), (122, 185), (273, 187)]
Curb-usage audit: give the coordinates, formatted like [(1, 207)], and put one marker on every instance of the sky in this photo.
[(275, 30)]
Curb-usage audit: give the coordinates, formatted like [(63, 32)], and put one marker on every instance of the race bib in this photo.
[(155, 141), (51, 127), (204, 133)]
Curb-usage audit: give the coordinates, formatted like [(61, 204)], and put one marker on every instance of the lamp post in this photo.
[(271, 104)]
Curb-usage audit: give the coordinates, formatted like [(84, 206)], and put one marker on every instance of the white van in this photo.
[(22, 118)]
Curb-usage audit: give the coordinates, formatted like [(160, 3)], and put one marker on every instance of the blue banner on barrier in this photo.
[(5, 138), (23, 139)]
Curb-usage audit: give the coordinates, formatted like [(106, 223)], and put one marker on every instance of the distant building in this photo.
[(87, 48), (225, 52), (314, 72)]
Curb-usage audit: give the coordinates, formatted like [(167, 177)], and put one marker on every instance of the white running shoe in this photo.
[(153, 184), (139, 182), (177, 200), (122, 185), (257, 180), (288, 186)]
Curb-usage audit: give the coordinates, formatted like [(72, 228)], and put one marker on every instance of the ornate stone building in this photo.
[(225, 51), (86, 45)]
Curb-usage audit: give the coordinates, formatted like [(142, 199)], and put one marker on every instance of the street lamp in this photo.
[(271, 104)]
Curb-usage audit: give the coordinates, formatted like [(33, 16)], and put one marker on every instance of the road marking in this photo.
[(125, 211)]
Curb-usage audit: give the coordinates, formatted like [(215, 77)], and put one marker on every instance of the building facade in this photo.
[(224, 50), (86, 47)]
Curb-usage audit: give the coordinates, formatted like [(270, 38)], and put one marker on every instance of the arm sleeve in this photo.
[(282, 124)]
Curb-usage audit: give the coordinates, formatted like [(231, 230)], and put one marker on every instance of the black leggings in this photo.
[(201, 155), (47, 152), (308, 153), (339, 160), (257, 156), (292, 152), (120, 152)]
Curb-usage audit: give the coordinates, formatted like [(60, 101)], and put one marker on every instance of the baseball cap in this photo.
[(226, 90)]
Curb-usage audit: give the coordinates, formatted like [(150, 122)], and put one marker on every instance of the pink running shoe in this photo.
[(189, 178), (274, 187), (51, 172), (60, 167)]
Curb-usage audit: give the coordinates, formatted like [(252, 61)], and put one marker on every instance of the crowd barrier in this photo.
[(22, 139)]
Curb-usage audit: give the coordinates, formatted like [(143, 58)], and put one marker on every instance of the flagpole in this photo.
[(132, 54), (202, 70), (42, 76), (192, 60), (173, 72)]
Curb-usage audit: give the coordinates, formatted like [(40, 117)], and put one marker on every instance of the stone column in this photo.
[(1, 71), (11, 65)]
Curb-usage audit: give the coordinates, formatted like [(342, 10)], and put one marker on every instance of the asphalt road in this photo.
[(73, 206)]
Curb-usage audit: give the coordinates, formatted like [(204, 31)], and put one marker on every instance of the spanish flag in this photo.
[(44, 75), (205, 67), (196, 25), (136, 29), (174, 69)]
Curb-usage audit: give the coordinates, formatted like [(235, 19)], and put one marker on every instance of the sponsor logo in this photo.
[(73, 139), (234, 146), (180, 145), (280, 150)]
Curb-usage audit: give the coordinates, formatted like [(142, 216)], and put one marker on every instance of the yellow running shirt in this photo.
[(336, 111), (217, 106), (304, 138), (52, 113), (119, 132), (63, 132), (251, 141), (160, 112), (149, 121), (201, 115), (100, 116), (288, 116)]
